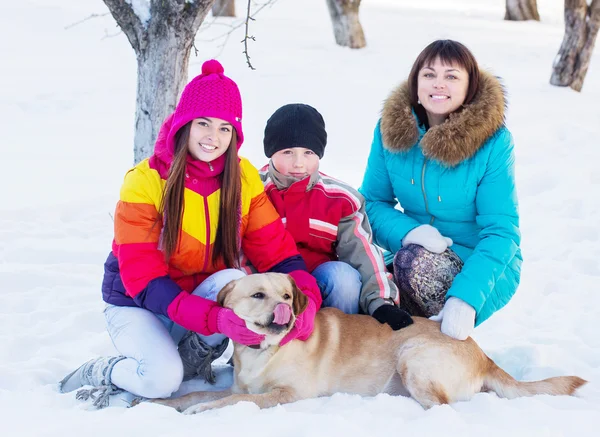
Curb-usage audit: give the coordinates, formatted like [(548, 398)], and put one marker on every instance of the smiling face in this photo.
[(268, 303), (297, 162), (209, 138), (441, 89)]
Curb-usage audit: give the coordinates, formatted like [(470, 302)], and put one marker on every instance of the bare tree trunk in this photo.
[(346, 25), (224, 8), (162, 75), (581, 28), (521, 10), (162, 45), (583, 61)]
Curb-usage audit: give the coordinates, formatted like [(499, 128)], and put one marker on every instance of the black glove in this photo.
[(393, 316)]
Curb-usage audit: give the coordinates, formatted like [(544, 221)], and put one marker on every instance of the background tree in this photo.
[(521, 10), (581, 28), (223, 8), (162, 38), (346, 26)]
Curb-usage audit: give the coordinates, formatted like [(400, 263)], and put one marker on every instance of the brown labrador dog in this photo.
[(350, 354)]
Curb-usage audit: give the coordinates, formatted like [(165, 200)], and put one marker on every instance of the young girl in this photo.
[(326, 218), (442, 151), (183, 219)]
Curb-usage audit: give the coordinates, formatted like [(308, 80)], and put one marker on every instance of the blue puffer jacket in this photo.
[(458, 177)]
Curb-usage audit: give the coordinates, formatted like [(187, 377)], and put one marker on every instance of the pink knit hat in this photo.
[(211, 94)]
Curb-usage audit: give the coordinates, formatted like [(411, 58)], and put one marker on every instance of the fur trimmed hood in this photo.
[(459, 137)]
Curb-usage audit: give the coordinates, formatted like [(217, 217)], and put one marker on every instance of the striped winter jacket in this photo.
[(136, 273), (327, 219)]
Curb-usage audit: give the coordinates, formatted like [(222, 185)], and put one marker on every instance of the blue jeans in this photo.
[(153, 368), (340, 285)]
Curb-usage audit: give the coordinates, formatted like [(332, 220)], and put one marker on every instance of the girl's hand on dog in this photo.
[(228, 323), (305, 321), (304, 325)]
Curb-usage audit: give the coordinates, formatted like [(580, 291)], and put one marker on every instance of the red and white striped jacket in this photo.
[(327, 219)]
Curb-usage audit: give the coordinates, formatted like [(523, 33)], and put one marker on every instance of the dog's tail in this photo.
[(505, 386)]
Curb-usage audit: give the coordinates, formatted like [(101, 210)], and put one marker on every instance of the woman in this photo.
[(183, 219), (442, 151)]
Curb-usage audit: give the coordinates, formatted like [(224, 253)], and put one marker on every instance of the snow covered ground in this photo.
[(67, 105)]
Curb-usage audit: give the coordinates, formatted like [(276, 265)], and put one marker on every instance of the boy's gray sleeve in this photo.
[(355, 247)]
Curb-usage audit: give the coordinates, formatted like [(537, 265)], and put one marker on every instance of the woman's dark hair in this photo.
[(172, 204), (451, 53)]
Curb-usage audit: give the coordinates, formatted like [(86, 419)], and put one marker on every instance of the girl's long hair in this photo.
[(227, 244), (172, 204)]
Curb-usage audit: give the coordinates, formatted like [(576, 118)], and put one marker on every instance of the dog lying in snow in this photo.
[(350, 354)]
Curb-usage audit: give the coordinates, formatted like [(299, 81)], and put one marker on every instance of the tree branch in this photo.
[(77, 23), (128, 21), (234, 27), (190, 10), (246, 37)]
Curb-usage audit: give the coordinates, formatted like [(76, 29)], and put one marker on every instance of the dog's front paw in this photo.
[(173, 403), (137, 401), (195, 409)]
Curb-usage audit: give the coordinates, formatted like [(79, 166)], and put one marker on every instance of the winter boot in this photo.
[(96, 373), (197, 356)]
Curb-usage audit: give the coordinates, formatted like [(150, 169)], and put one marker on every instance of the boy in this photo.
[(326, 218)]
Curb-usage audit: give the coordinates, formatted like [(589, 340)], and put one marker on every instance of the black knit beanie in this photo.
[(295, 125)]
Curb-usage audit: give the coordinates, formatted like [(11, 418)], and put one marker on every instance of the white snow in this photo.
[(67, 105), (141, 9)]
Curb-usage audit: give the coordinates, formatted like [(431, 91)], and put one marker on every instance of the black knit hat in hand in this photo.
[(295, 125)]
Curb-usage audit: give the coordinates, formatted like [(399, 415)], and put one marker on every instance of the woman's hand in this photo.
[(303, 326), (457, 317), (428, 237), (305, 321)]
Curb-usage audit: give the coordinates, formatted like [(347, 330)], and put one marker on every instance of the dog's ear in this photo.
[(222, 295), (300, 301)]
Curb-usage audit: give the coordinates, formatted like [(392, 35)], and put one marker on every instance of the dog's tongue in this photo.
[(282, 313)]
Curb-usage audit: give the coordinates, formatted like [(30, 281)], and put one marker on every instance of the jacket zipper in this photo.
[(423, 190), (207, 215)]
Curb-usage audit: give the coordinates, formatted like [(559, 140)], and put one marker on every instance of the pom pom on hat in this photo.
[(212, 66)]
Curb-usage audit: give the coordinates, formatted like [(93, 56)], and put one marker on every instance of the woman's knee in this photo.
[(419, 271), (160, 380), (215, 282), (225, 276)]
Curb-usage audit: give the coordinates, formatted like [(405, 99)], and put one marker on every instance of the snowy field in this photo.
[(67, 104)]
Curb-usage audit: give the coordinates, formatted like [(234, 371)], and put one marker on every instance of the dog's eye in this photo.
[(287, 296), (258, 295)]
